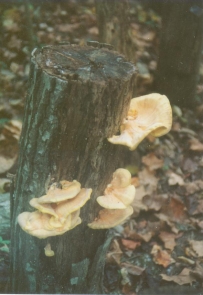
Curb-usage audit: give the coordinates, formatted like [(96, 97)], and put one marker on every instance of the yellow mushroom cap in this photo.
[(117, 198), (68, 191), (121, 178), (119, 193), (43, 207), (110, 217), (63, 209), (110, 202), (148, 114), (42, 225)]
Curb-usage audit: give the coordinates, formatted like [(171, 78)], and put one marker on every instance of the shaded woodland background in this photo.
[(160, 247)]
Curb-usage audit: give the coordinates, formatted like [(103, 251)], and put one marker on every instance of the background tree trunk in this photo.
[(113, 24), (77, 98), (180, 50)]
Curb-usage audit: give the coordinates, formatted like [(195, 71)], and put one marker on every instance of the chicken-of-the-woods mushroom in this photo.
[(148, 114), (57, 211), (118, 195)]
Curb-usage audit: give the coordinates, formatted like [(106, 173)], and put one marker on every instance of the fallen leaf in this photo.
[(155, 201), (129, 244), (115, 253), (161, 257), (175, 179), (166, 218), (193, 187), (174, 208), (199, 207), (168, 239), (152, 162), (135, 181), (197, 246), (196, 145), (133, 269), (137, 203), (189, 165), (183, 278), (197, 272)]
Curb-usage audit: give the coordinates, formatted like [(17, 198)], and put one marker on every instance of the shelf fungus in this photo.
[(118, 195), (57, 212), (148, 114)]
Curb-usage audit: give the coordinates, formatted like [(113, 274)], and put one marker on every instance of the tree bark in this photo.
[(77, 98), (113, 23), (180, 50)]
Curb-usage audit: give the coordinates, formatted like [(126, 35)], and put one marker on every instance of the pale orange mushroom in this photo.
[(119, 193), (109, 218), (148, 114), (58, 211), (38, 224), (68, 191)]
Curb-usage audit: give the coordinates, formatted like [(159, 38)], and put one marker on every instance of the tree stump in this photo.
[(77, 98)]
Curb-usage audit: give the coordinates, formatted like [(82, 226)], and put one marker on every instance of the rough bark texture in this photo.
[(77, 98), (113, 23), (180, 50)]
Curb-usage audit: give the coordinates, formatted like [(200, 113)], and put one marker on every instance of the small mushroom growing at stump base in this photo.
[(77, 97)]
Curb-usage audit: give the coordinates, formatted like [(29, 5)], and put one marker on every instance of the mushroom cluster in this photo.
[(118, 196), (57, 212), (148, 114)]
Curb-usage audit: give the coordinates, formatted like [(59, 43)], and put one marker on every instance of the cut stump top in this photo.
[(86, 63)]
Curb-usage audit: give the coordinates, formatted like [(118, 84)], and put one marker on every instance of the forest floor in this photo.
[(160, 249)]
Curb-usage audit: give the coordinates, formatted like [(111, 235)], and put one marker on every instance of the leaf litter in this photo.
[(162, 242)]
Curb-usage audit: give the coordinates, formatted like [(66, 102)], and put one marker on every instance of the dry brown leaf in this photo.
[(197, 272), (189, 165), (137, 203), (133, 269), (129, 244), (135, 181), (196, 145), (161, 257), (155, 201), (168, 239), (115, 253), (175, 179), (193, 187), (175, 209), (152, 162), (183, 278), (166, 218), (197, 247), (142, 236), (147, 177), (199, 208)]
